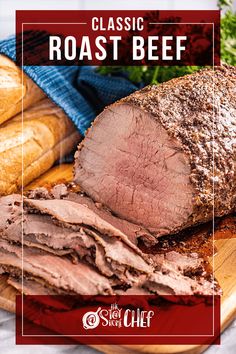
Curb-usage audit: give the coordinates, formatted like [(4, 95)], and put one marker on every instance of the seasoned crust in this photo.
[(200, 110)]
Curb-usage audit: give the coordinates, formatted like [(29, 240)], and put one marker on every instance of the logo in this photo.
[(91, 319), (117, 317)]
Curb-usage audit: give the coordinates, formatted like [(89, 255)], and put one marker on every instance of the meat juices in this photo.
[(149, 158)]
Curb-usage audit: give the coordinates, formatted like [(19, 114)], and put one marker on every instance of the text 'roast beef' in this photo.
[(165, 155)]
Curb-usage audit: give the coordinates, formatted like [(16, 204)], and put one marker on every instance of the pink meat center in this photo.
[(130, 163)]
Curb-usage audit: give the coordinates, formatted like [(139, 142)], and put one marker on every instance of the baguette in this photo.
[(47, 135), (13, 90)]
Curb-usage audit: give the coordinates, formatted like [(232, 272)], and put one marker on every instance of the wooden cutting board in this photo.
[(225, 272)]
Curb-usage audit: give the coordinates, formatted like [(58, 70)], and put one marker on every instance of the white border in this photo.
[(22, 189)]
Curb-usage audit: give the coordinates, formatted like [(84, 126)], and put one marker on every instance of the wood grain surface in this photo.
[(224, 267)]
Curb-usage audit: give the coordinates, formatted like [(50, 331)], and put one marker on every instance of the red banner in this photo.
[(118, 37), (135, 319)]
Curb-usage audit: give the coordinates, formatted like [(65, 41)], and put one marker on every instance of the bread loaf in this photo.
[(43, 136), (15, 86)]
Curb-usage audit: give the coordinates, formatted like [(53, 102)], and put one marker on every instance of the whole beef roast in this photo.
[(163, 156)]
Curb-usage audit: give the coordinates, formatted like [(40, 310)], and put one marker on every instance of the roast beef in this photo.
[(56, 272), (104, 257), (178, 274), (48, 274), (173, 274), (78, 214), (109, 254), (165, 155), (30, 286)]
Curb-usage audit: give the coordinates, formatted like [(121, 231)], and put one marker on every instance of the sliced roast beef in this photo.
[(109, 254), (57, 272), (33, 287), (173, 274), (99, 240), (131, 230), (153, 157), (180, 274), (30, 286), (11, 214), (60, 191), (78, 214)]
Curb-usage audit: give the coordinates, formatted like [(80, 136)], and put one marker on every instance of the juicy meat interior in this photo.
[(130, 163), (164, 157)]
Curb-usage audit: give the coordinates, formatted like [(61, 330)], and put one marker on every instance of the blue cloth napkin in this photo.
[(80, 91)]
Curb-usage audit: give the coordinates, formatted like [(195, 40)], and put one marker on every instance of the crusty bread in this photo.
[(48, 134), (12, 90)]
